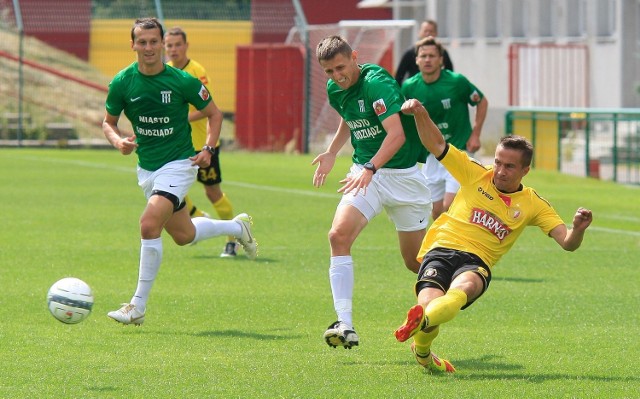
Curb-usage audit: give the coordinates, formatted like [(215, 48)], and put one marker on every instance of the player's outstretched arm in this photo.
[(430, 135), (473, 144), (571, 239), (327, 159)]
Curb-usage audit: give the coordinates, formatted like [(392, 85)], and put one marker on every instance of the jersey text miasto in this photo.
[(363, 106), (157, 106)]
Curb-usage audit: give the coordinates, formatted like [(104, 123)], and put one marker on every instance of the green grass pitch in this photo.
[(552, 325)]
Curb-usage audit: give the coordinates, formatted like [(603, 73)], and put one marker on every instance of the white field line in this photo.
[(132, 170), (615, 231), (286, 190), (622, 217)]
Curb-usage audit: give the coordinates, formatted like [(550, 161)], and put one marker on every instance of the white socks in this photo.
[(150, 258), (341, 278), (151, 254), (207, 228)]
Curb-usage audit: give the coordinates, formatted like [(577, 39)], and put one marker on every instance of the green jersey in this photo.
[(447, 100), (363, 106), (158, 108)]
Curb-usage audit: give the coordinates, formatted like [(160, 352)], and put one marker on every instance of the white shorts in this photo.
[(403, 193), (175, 177), (439, 180)]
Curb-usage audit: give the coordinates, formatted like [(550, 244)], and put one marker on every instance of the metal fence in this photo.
[(598, 143), (57, 58)]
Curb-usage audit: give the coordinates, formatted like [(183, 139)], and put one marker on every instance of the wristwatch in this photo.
[(370, 166), (210, 149)]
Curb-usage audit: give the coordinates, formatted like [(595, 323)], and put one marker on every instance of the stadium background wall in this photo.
[(236, 41), (110, 55)]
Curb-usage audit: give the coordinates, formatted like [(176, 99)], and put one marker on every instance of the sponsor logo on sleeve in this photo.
[(204, 93), (379, 107)]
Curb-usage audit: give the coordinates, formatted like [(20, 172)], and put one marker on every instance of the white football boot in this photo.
[(246, 239), (127, 314)]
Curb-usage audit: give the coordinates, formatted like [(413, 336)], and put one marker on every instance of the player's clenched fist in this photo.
[(127, 144)]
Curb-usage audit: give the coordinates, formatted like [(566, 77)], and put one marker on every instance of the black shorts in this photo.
[(211, 175), (441, 266)]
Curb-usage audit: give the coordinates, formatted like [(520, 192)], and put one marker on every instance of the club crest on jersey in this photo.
[(166, 96), (490, 222), (475, 96), (379, 107), (204, 93)]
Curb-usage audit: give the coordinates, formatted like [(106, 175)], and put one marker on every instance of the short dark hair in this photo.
[(433, 23), (331, 46), (146, 23), (177, 31), (521, 144), (429, 41)]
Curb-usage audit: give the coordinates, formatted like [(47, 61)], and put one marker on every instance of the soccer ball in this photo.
[(70, 300)]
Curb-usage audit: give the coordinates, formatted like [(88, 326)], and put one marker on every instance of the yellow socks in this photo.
[(446, 307), (223, 208), (438, 311), (423, 341), (193, 210)]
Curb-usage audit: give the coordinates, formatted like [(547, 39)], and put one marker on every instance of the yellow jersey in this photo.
[(482, 220), (199, 127)]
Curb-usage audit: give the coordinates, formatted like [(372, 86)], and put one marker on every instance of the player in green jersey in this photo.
[(447, 96), (176, 46), (156, 98), (407, 66), (487, 216), (384, 174)]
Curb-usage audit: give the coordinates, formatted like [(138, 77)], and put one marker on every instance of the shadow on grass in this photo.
[(518, 279), (247, 335), (490, 367), (239, 258), (286, 334)]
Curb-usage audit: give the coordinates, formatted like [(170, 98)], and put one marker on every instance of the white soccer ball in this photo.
[(70, 300)]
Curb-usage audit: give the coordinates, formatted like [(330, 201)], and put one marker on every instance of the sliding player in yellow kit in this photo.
[(485, 219), (176, 46)]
